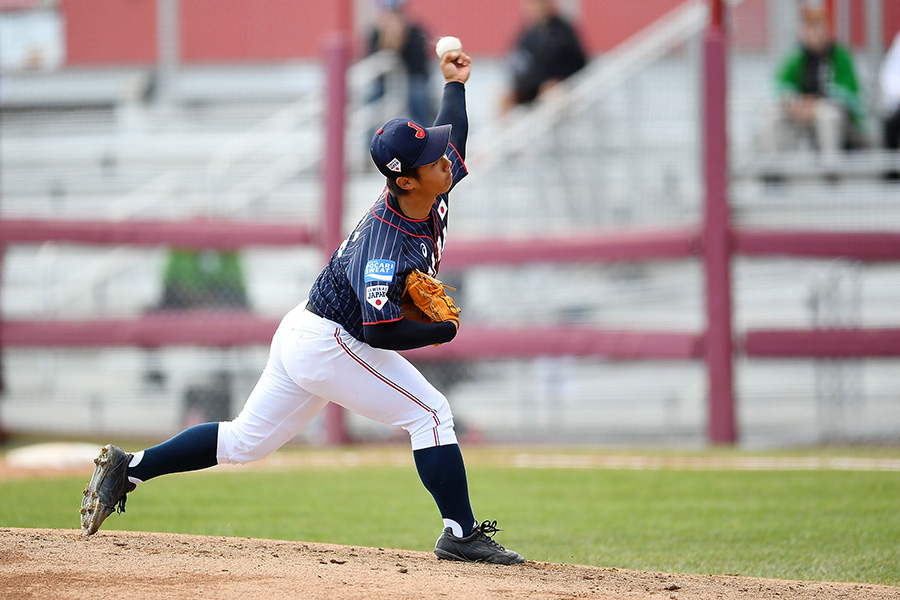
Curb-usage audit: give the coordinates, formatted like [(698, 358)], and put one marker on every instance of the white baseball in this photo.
[(446, 44)]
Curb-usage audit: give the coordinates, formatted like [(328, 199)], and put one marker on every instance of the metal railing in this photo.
[(594, 83)]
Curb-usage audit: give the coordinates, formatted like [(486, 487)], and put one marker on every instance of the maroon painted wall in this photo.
[(109, 32), (101, 32)]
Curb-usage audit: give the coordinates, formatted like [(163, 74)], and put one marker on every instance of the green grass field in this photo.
[(810, 525)]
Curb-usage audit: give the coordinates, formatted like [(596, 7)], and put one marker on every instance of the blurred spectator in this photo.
[(546, 52), (198, 279), (819, 99), (890, 88), (203, 278), (394, 31)]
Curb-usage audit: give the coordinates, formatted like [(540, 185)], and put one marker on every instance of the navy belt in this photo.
[(312, 309)]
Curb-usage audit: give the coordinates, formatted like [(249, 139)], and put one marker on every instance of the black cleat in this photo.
[(478, 547), (108, 488)]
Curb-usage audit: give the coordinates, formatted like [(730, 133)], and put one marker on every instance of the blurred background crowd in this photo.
[(584, 119)]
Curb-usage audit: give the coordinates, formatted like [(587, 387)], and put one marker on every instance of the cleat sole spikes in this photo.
[(107, 489)]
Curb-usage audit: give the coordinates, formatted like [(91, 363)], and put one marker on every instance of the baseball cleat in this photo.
[(107, 489), (479, 546)]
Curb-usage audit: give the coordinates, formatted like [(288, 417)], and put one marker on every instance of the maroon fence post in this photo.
[(717, 247), (335, 58)]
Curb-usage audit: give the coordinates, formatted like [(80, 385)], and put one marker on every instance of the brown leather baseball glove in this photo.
[(424, 300)]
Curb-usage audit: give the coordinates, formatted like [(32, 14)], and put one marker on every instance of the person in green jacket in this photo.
[(203, 279), (818, 92)]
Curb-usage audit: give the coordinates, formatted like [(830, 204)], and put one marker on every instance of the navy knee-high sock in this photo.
[(443, 473), (192, 449)]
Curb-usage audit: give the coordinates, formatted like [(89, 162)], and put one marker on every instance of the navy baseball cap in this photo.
[(402, 145)]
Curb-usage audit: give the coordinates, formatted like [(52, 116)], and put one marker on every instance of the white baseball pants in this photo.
[(313, 361)]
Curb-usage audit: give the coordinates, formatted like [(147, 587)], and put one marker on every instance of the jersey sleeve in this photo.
[(378, 286), (457, 166)]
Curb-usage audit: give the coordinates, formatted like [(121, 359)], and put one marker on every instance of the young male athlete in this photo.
[(340, 344)]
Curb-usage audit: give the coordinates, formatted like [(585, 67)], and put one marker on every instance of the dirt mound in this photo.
[(50, 563)]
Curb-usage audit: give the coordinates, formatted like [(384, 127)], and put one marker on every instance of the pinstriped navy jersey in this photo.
[(363, 281)]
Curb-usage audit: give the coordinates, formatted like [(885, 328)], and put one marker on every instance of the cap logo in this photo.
[(394, 165), (420, 133)]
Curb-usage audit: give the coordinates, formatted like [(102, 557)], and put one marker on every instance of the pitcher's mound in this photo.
[(53, 563)]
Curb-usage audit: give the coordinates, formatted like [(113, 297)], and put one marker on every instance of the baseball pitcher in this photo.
[(376, 295)]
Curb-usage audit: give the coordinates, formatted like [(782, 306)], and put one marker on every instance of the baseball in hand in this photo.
[(446, 44)]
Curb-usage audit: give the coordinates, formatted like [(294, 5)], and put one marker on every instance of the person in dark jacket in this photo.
[(395, 31), (546, 52)]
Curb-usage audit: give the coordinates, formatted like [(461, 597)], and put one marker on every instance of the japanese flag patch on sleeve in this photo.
[(378, 276)]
